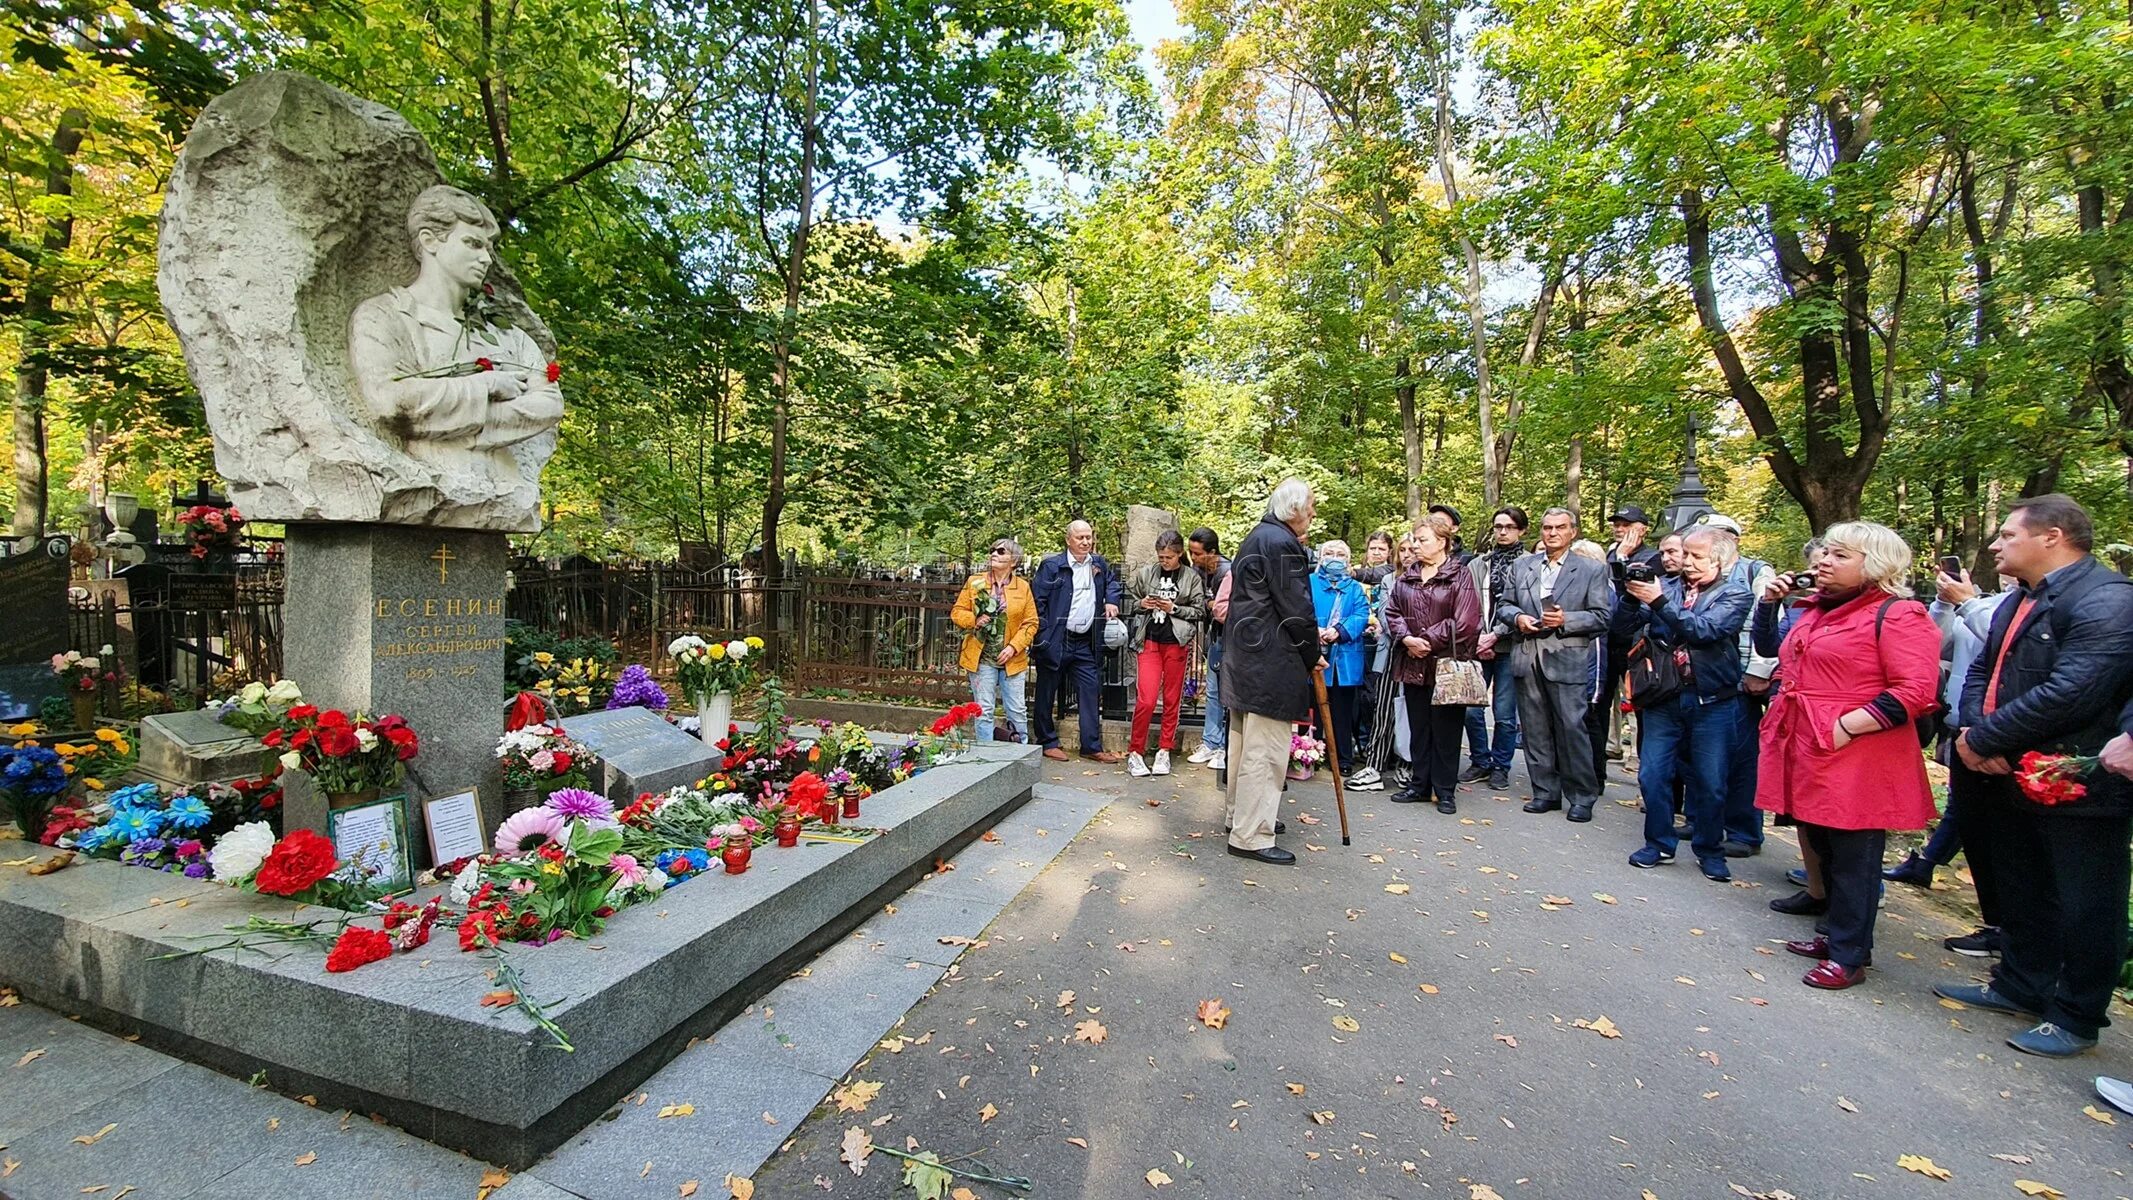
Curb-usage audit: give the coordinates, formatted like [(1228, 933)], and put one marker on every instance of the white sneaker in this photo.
[(1366, 780), (1200, 753), (1134, 766), (1162, 762), (1220, 761)]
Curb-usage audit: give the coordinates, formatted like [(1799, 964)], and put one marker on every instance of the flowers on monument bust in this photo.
[(541, 756), (210, 528), (709, 668), (341, 753)]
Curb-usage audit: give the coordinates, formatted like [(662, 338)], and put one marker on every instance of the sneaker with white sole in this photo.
[(1220, 761), (1135, 766), (1200, 754), (1367, 780), (1162, 763)]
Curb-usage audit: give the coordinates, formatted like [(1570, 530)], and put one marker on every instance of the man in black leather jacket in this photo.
[(2053, 677)]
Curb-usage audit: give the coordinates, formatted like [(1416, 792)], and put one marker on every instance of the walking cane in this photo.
[(1325, 722)]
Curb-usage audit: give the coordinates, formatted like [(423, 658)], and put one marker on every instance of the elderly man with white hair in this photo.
[(1076, 591), (1270, 647)]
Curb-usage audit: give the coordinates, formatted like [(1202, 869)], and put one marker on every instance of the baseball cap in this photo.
[(1451, 514), (1720, 521), (1630, 514)]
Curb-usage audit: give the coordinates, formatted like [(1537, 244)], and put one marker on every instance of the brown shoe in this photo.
[(1056, 754), (1104, 756)]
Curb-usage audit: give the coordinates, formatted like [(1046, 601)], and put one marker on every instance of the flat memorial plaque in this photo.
[(454, 824), (640, 752), (377, 832)]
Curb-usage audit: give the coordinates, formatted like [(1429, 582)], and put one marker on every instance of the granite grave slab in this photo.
[(185, 748), (640, 751)]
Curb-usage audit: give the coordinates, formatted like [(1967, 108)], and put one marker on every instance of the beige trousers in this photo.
[(1258, 762)]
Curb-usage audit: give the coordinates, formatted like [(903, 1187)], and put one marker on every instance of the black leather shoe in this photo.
[(1799, 904), (1473, 775), (1447, 805), (1272, 854), (1733, 849), (1913, 870), (1580, 813), (1406, 795), (1543, 806)]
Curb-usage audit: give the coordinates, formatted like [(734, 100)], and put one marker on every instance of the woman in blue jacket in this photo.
[(1343, 610)]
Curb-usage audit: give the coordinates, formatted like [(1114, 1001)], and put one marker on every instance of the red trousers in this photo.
[(1162, 665)]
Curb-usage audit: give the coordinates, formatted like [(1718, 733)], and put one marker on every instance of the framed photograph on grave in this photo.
[(378, 832), (454, 824)]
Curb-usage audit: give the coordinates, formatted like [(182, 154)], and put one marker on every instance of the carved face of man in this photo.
[(462, 255)]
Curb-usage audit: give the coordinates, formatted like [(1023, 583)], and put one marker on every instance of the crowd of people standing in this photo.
[(1808, 696)]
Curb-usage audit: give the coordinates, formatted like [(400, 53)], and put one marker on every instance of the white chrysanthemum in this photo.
[(240, 852), (736, 649), (467, 883), (685, 642), (253, 693), (285, 693)]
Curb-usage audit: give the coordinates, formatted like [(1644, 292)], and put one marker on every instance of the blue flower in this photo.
[(187, 814), (89, 841), (137, 795), (133, 824)]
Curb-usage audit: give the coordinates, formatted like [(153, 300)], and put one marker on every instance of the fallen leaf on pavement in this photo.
[(56, 862), (1346, 1023), (1924, 1166), (2030, 1187), (1398, 889), (973, 943), (2096, 1114), (1847, 1105), (2020, 1160), (677, 1110), (490, 1181), (1603, 897), (29, 1058), (1427, 989), (1212, 1013), (1600, 1025), (1481, 1191), (688, 1187), (1322, 1118), (1295, 1089), (1066, 999), (1155, 1177), (962, 1193), (740, 1188), (856, 1097), (1308, 819), (1081, 1142), (7, 1168), (1557, 901), (858, 1145), (90, 1139), (502, 999), (987, 1113), (1396, 956), (307, 1158), (1091, 1032), (1507, 1040)]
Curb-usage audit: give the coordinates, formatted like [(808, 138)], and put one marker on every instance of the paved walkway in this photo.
[(1415, 1016)]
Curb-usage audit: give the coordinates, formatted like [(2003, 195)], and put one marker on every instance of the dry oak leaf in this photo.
[(1600, 1025), (856, 1097), (90, 1139), (858, 1145), (2030, 1187), (677, 1110), (1155, 1177), (1212, 1013), (500, 999), (1398, 889), (490, 1181), (1091, 1032), (987, 1113), (740, 1188), (307, 1158), (1924, 1166), (688, 1187), (2099, 1116)]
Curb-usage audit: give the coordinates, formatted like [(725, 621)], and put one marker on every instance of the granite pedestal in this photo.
[(186, 748), (408, 620), (408, 1039), (640, 751)]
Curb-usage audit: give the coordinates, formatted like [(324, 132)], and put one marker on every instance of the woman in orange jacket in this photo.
[(998, 613)]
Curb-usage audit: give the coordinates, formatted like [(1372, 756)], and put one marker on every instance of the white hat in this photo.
[(1720, 521)]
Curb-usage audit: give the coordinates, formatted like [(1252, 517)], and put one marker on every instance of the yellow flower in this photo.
[(67, 767), (25, 729), (716, 650), (754, 643), (551, 868), (69, 749), (108, 734), (543, 657), (94, 784), (121, 746)]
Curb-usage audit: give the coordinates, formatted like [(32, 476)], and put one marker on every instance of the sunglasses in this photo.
[(1001, 550)]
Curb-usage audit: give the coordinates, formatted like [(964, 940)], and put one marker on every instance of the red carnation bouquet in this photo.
[(306, 868), (342, 753), (2054, 779)]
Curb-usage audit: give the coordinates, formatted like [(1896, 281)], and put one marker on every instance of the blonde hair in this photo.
[(1885, 556), (1588, 548)]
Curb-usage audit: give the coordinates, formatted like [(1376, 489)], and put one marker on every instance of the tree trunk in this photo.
[(795, 268), (32, 496), (1410, 435), (1574, 473), (1476, 313)]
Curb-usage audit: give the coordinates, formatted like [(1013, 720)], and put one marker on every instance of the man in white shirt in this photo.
[(1077, 591)]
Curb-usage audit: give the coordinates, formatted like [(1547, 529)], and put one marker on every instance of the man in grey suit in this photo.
[(1553, 611)]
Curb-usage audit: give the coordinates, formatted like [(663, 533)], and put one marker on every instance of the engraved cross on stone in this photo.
[(443, 558)]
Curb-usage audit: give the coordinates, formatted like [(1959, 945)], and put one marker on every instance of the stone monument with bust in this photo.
[(375, 382)]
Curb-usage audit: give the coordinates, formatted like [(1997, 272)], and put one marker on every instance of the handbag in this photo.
[(1459, 681), (1657, 673)]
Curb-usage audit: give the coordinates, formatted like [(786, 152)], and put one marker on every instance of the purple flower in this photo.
[(637, 689), (577, 804), (196, 870)]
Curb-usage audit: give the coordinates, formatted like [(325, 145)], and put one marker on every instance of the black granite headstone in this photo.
[(35, 584)]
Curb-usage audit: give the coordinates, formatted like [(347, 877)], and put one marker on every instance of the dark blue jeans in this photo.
[(1079, 662), (1947, 836), (1697, 741), (1503, 706), (1744, 821)]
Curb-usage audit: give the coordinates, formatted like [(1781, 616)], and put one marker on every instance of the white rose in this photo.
[(366, 740), (292, 761), (736, 649), (655, 880), (240, 852), (285, 693), (90, 663), (253, 693), (107, 648)]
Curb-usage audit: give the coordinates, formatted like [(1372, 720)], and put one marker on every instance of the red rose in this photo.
[(295, 863), (336, 742), (555, 371), (303, 712), (301, 738), (562, 762), (356, 947), (485, 364), (334, 718), (272, 739)]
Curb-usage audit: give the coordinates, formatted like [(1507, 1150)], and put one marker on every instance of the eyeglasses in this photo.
[(1001, 550)]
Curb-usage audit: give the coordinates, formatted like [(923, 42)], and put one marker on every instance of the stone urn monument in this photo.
[(374, 380)]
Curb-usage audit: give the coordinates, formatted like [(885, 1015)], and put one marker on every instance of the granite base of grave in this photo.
[(408, 620), (186, 748), (640, 751), (407, 1039)]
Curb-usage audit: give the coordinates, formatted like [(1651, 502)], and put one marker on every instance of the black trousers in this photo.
[(1600, 715), (2064, 917), (1851, 870), (1342, 703), (1969, 791), (1433, 733)]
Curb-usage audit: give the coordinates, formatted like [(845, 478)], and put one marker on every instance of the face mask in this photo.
[(1333, 568)]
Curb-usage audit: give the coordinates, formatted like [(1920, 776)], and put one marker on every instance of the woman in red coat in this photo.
[(1840, 755)]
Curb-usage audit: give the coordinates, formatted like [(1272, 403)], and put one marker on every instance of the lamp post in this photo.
[(1691, 499)]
